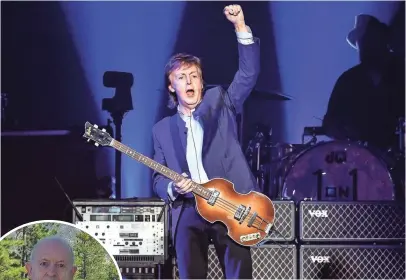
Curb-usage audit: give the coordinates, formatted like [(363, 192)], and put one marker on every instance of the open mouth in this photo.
[(190, 92)]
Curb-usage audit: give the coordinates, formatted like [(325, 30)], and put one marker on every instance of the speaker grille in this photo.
[(351, 221), (352, 262), (284, 221), (269, 262)]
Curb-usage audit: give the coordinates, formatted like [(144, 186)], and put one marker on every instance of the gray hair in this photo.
[(57, 239)]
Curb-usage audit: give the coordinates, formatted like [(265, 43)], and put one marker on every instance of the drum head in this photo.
[(340, 171)]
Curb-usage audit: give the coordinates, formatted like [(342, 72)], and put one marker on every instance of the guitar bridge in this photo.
[(251, 221), (239, 212), (213, 197), (245, 214)]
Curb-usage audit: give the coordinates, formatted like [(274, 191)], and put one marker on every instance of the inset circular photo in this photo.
[(56, 250)]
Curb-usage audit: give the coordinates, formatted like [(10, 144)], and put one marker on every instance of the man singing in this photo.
[(200, 141)]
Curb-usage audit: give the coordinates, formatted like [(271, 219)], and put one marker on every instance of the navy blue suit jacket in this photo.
[(221, 152)]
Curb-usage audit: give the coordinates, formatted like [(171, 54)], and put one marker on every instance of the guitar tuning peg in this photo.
[(104, 130), (96, 144), (88, 140), (96, 126)]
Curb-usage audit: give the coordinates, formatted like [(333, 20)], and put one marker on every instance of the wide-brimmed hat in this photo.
[(362, 23)]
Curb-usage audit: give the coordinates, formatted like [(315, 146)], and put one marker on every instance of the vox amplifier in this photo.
[(268, 261), (352, 262), (285, 217), (351, 221)]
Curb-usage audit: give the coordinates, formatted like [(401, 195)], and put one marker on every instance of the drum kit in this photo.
[(327, 170)]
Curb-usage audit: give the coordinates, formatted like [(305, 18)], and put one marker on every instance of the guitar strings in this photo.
[(230, 208), (226, 205), (234, 207)]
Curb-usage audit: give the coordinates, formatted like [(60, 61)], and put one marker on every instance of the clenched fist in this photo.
[(235, 15)]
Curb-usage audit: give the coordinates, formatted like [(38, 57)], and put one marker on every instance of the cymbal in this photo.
[(261, 94)]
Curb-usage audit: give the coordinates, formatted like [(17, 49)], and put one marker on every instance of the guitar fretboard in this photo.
[(174, 176)]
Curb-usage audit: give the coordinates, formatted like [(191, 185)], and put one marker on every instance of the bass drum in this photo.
[(338, 171)]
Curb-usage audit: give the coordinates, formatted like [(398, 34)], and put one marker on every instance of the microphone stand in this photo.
[(117, 107), (118, 121)]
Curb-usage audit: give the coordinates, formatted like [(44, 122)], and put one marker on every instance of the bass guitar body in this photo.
[(248, 217)]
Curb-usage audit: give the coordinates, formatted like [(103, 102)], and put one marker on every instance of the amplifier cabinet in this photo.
[(143, 210), (352, 262), (139, 271), (135, 232), (351, 221), (269, 262), (285, 217)]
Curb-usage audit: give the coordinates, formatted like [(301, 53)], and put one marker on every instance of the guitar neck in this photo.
[(165, 171)]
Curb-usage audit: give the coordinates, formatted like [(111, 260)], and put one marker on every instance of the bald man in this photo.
[(51, 259)]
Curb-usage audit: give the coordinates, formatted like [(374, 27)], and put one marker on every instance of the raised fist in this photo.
[(234, 14)]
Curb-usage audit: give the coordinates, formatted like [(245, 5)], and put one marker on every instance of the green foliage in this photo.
[(15, 249), (10, 267), (31, 235), (92, 260)]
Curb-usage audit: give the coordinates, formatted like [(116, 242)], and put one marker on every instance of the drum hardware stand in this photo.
[(259, 170), (8, 120), (4, 103), (312, 131), (260, 175), (398, 169), (117, 106), (312, 141), (254, 149), (400, 131)]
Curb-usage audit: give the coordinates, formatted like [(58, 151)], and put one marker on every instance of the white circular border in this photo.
[(67, 224)]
